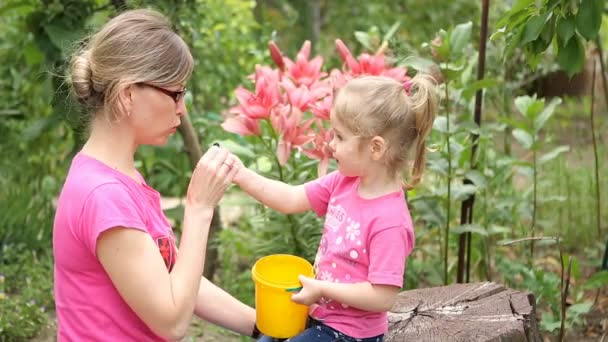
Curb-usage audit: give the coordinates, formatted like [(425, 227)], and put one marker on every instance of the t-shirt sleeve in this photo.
[(107, 206), (319, 192), (388, 250)]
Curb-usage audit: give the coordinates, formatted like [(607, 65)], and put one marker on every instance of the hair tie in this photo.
[(407, 85)]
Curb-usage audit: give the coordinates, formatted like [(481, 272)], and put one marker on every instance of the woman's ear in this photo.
[(377, 147), (125, 99)]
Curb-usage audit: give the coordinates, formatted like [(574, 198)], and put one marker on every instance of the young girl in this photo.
[(368, 230)]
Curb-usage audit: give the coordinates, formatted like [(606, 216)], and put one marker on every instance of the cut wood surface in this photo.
[(464, 312)]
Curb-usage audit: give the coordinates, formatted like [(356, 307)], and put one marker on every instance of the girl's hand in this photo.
[(238, 164), (212, 175), (311, 291)]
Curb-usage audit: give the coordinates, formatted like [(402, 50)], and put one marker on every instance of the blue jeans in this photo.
[(319, 332)]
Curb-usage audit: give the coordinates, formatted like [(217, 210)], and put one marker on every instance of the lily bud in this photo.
[(276, 55)]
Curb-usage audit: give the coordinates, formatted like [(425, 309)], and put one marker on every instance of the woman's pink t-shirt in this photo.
[(95, 198), (363, 240)]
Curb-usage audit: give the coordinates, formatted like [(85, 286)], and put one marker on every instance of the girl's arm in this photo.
[(363, 295), (277, 195), (218, 307)]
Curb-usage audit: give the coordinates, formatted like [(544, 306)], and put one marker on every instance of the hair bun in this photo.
[(81, 76)]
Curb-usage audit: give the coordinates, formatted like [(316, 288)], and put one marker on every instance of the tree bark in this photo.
[(472, 312), (194, 151)]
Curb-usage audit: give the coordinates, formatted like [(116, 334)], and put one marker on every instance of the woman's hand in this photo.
[(212, 175), (311, 291)]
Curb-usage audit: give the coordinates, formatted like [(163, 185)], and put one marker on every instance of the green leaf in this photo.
[(580, 308), (523, 103), (441, 124), (477, 178), (418, 63), (60, 35), (565, 28), (391, 32), (463, 191), (597, 280), (553, 154), (523, 138), (469, 228), (237, 148), (460, 37), (363, 38), (475, 86), (571, 57), (263, 164), (534, 27), (496, 230), (540, 120), (589, 18)]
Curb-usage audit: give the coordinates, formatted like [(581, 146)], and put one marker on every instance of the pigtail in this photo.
[(423, 104)]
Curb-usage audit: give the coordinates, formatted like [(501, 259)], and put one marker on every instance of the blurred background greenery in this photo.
[(528, 179)]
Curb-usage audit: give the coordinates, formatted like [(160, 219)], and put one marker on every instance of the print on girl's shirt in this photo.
[(166, 246)]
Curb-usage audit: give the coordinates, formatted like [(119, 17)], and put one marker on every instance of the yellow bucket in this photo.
[(276, 279)]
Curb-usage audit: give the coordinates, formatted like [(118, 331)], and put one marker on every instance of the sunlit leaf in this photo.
[(553, 154), (469, 228), (523, 138)]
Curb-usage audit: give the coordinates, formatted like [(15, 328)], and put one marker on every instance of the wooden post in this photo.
[(464, 312)]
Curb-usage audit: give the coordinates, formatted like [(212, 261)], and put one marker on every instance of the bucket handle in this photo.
[(294, 289)]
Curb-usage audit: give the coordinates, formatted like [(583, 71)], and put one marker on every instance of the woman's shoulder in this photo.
[(88, 176)]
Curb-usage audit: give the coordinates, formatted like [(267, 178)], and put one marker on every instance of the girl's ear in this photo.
[(377, 147)]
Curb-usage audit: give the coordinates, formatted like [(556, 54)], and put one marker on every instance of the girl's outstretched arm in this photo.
[(277, 195)]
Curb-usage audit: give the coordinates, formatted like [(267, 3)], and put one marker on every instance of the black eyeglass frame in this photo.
[(175, 95)]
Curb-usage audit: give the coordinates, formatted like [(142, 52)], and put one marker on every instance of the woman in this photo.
[(118, 276)]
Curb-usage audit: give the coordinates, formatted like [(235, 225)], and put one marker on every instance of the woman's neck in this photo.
[(378, 183), (112, 144)]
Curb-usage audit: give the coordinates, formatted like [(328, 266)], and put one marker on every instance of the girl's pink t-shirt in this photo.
[(363, 240), (95, 198)]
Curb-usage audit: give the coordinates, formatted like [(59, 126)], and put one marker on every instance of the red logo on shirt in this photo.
[(166, 246)]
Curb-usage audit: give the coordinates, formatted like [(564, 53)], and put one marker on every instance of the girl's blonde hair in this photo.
[(372, 106), (135, 46)]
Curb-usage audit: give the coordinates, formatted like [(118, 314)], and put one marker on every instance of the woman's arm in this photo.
[(218, 307), (363, 295), (165, 301), (277, 195)]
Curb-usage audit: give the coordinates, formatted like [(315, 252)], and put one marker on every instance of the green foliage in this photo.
[(534, 25), (25, 292)]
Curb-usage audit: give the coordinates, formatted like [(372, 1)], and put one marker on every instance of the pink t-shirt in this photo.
[(95, 198), (363, 240)]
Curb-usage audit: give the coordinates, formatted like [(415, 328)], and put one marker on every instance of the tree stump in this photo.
[(464, 312)]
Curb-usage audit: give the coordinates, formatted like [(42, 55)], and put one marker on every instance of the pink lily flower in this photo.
[(241, 125), (320, 148), (267, 94), (369, 64), (302, 97), (293, 133), (303, 71)]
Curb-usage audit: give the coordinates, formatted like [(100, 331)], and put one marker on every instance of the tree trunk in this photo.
[(194, 151), (464, 312)]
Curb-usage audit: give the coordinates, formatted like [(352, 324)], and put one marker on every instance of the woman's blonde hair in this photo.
[(135, 46), (372, 106)]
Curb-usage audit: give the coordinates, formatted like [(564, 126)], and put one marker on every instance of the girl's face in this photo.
[(351, 157), (156, 113)]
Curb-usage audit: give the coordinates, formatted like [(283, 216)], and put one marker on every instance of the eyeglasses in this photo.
[(175, 95)]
